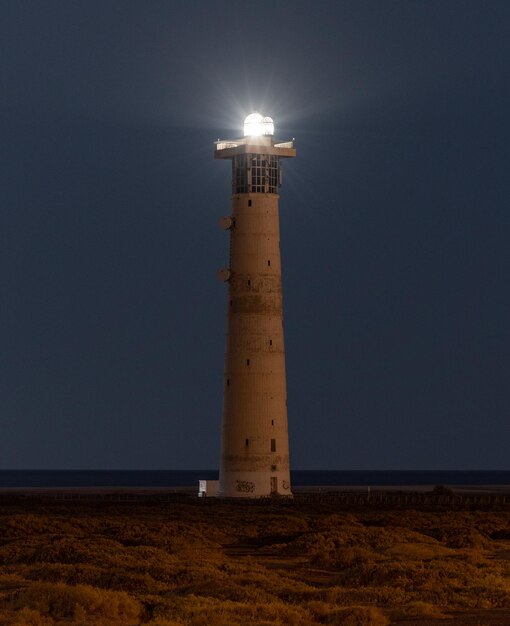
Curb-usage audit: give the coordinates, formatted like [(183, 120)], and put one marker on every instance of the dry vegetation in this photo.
[(206, 564)]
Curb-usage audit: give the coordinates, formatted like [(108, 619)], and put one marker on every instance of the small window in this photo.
[(273, 468), (269, 263), (247, 361), (228, 382), (246, 442), (249, 202), (273, 445), (270, 342), (231, 303), (272, 422), (249, 282)]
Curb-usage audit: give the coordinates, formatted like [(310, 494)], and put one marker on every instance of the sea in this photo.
[(299, 478)]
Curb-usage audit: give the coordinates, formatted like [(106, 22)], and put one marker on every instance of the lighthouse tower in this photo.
[(255, 443)]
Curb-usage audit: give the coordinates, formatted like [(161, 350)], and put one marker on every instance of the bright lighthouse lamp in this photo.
[(256, 125)]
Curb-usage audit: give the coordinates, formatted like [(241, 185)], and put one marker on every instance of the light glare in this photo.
[(256, 125)]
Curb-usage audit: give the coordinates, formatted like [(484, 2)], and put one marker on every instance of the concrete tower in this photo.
[(255, 442)]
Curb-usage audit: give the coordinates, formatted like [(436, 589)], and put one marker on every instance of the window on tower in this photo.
[(239, 174), (273, 174), (255, 173)]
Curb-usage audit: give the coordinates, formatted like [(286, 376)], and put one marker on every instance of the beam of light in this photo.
[(256, 125)]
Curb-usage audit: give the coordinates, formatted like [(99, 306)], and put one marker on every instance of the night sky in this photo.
[(394, 217)]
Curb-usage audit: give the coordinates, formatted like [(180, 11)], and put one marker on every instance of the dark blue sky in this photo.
[(395, 228)]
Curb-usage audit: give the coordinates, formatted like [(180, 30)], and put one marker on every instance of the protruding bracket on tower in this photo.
[(226, 223), (224, 274)]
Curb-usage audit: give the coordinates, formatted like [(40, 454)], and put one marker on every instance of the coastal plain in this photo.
[(213, 563)]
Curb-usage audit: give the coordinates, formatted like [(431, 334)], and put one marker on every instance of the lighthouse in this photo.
[(254, 442)]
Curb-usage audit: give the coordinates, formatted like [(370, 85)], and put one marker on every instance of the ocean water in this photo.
[(299, 478)]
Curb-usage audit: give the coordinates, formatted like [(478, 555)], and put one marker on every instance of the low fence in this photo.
[(405, 499), (342, 500)]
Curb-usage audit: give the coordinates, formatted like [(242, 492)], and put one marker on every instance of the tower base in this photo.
[(260, 485)]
